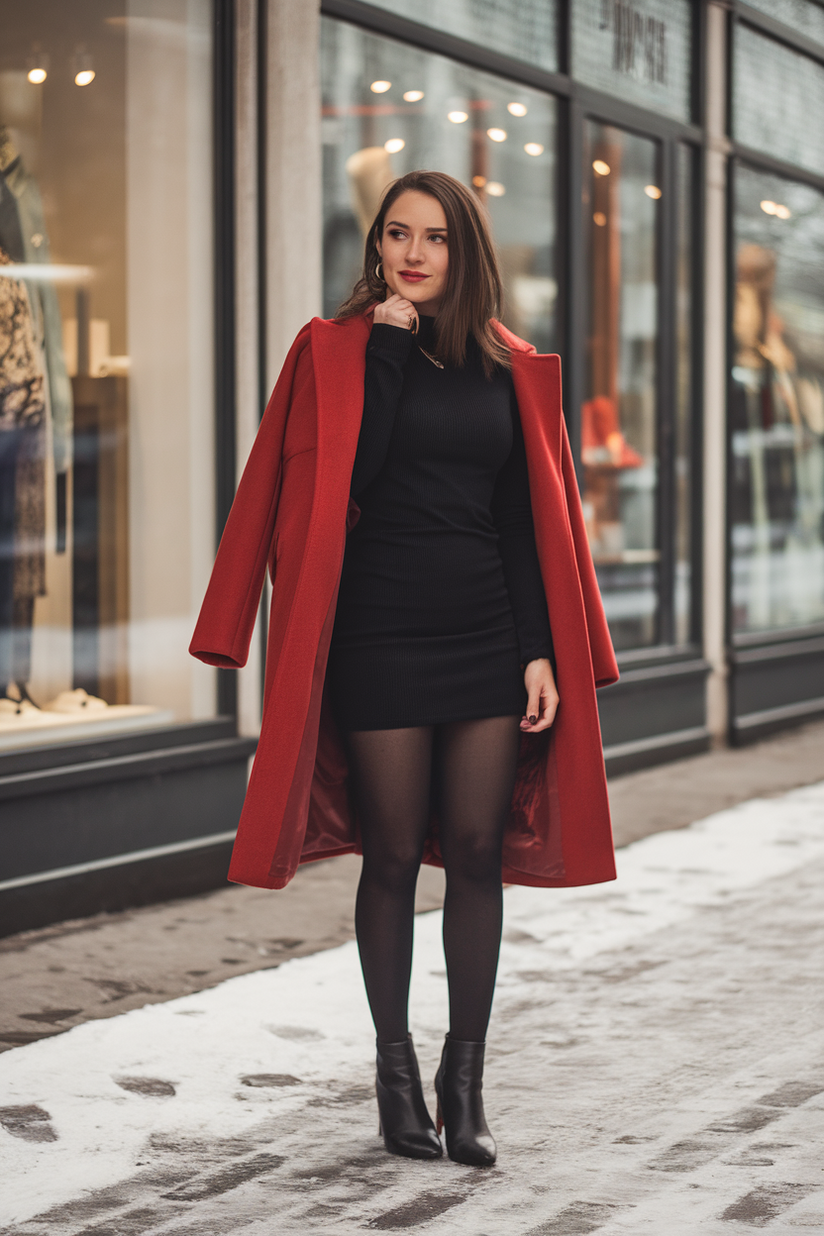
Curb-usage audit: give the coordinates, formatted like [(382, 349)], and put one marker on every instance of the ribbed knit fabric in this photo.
[(441, 600)]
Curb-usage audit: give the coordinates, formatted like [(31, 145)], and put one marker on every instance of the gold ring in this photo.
[(411, 321)]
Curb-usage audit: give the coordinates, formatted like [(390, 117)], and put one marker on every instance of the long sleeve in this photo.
[(512, 513), (386, 353)]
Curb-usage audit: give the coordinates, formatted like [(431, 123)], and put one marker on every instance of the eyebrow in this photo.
[(396, 223)]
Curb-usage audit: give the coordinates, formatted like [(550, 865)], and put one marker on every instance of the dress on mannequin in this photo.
[(22, 410)]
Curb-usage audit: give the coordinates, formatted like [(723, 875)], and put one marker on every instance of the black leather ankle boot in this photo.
[(405, 1123), (458, 1083)]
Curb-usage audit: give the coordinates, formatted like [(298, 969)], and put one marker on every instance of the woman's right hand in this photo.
[(397, 311)]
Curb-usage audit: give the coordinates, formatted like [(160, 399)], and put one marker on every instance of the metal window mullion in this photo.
[(771, 28), (564, 37), (666, 263), (576, 282), (696, 403), (609, 109), (777, 167)]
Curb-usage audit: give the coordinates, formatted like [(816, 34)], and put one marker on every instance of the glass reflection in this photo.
[(618, 423), (777, 405), (458, 121)]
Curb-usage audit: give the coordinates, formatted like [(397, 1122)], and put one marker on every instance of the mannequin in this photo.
[(23, 236)]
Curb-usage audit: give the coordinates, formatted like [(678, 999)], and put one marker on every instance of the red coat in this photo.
[(291, 511)]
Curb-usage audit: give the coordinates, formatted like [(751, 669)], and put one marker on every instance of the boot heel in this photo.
[(439, 1119)]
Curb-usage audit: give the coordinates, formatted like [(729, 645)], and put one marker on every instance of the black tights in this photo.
[(468, 769)]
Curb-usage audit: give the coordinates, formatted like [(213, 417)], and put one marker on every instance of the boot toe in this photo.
[(481, 1151)]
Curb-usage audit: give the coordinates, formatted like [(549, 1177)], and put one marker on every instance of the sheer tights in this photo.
[(467, 770)]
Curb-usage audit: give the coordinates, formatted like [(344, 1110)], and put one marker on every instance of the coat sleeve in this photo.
[(604, 665), (227, 617)]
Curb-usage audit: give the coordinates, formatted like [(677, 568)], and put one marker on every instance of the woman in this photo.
[(415, 421)]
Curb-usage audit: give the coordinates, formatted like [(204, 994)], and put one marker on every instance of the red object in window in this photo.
[(601, 437)]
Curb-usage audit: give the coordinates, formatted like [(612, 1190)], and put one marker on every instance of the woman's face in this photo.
[(414, 250)]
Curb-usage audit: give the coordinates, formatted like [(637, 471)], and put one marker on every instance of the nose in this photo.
[(414, 254)]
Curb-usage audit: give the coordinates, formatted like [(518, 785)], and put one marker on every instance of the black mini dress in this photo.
[(441, 601)]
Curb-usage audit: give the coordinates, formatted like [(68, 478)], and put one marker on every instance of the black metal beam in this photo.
[(666, 262), (767, 163), (223, 88)]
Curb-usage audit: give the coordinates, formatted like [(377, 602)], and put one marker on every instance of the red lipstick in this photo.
[(412, 276)]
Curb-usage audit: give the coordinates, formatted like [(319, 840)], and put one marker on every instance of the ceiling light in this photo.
[(516, 109), (782, 212), (495, 188), (599, 218), (479, 181), (457, 117), (600, 168), (394, 145), (652, 191), (412, 96), (534, 149), (380, 87), (769, 207), (37, 66), (496, 135), (83, 70)]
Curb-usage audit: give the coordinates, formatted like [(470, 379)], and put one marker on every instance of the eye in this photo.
[(440, 239), (396, 233)]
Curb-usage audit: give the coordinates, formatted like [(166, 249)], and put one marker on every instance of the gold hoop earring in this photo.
[(379, 272)]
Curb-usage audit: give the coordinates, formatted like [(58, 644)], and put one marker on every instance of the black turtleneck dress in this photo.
[(441, 602)]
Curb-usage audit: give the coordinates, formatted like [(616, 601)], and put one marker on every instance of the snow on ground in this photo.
[(257, 1062)]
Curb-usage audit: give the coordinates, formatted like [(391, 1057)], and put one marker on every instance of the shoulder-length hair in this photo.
[(473, 294)]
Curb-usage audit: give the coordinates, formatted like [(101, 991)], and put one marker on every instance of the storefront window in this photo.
[(618, 418), (428, 112), (106, 399), (773, 87), (641, 51), (523, 29), (777, 405)]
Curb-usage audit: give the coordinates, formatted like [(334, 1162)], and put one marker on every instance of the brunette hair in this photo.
[(473, 292)]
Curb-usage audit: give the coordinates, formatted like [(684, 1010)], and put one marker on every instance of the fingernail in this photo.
[(532, 720)]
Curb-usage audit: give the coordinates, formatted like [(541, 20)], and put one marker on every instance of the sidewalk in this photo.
[(655, 1065), (62, 976)]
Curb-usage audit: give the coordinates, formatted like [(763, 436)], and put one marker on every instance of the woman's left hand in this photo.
[(542, 696)]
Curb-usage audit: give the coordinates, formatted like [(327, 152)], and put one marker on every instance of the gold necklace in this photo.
[(438, 364)]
